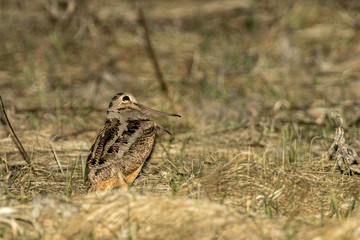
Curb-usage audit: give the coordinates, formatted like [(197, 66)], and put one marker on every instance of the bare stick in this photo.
[(16, 139), (152, 54)]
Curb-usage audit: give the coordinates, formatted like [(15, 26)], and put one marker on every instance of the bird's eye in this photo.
[(125, 99)]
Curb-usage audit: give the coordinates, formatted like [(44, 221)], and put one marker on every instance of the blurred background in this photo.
[(223, 60)]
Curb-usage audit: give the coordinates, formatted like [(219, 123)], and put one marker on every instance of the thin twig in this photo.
[(152, 54), (16, 139)]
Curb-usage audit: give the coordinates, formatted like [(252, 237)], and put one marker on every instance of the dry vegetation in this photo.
[(254, 81)]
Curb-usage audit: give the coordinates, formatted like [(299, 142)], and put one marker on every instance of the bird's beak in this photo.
[(153, 111)]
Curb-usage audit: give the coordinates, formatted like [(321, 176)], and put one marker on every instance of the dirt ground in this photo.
[(256, 84)]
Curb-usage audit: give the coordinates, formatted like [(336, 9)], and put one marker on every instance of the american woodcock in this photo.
[(123, 145)]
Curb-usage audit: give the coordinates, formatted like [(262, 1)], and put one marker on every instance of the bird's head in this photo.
[(123, 101)]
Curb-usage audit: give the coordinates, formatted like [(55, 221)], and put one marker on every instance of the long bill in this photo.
[(153, 111)]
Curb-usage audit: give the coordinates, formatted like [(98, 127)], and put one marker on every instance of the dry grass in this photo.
[(254, 82)]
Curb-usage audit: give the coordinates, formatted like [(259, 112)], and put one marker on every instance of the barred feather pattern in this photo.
[(121, 147)]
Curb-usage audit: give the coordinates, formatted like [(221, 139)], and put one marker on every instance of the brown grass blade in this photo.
[(16, 139)]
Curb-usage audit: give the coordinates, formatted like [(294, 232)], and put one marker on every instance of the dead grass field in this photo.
[(254, 81)]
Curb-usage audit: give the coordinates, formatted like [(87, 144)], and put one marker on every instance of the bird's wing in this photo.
[(139, 147), (104, 141), (121, 138)]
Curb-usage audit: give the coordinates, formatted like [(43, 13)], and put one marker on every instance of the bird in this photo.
[(122, 146)]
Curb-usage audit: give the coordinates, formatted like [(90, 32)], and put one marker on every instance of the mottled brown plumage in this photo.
[(123, 145)]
